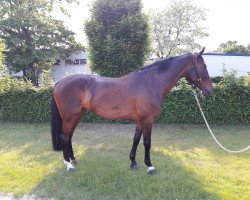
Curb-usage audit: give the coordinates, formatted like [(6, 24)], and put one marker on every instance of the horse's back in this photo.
[(102, 95), (114, 98)]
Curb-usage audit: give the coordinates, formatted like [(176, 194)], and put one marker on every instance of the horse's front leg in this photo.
[(147, 144), (71, 152), (136, 140)]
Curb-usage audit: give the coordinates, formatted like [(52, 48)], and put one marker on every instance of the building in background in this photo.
[(216, 61), (75, 64)]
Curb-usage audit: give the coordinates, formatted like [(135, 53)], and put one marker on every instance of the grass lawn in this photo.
[(189, 163)]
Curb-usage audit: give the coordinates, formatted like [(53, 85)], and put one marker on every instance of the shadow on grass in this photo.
[(100, 176), (102, 172)]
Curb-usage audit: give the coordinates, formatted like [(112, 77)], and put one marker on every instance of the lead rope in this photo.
[(230, 151)]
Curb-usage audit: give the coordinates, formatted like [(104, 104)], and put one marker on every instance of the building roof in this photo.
[(225, 54)]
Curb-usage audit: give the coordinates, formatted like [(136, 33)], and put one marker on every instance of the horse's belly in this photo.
[(114, 112)]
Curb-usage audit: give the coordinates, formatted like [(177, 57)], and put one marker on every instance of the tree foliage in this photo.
[(118, 36), (33, 38), (177, 28), (2, 78), (1, 56), (247, 80), (233, 47), (46, 79), (230, 79)]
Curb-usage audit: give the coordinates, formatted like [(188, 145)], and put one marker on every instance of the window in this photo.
[(76, 62), (68, 62), (83, 61)]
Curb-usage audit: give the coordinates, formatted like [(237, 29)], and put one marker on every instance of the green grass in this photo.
[(189, 163)]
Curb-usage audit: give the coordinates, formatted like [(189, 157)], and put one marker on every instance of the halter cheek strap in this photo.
[(194, 69)]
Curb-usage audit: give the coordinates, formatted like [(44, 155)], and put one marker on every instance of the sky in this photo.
[(226, 20)]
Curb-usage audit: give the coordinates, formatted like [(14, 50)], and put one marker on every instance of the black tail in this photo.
[(56, 126)]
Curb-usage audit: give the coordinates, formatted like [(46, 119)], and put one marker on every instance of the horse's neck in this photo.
[(170, 77)]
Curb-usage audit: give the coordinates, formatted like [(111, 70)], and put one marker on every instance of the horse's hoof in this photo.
[(73, 162), (134, 167), (71, 170), (152, 171)]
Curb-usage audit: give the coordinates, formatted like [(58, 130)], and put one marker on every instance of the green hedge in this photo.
[(224, 106), (25, 106)]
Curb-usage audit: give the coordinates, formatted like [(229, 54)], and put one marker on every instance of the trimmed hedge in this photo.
[(25, 106), (224, 106)]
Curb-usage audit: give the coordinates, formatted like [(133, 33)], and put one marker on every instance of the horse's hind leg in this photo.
[(68, 127), (136, 140)]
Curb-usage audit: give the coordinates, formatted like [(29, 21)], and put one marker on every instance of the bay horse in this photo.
[(138, 96)]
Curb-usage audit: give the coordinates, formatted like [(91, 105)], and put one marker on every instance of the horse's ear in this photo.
[(201, 52)]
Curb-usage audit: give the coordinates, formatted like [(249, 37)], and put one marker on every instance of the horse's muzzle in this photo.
[(207, 92)]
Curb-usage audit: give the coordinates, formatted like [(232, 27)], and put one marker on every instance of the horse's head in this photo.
[(197, 74)]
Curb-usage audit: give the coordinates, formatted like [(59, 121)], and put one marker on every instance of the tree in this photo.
[(118, 36), (176, 28), (233, 47), (248, 47), (33, 39), (1, 57)]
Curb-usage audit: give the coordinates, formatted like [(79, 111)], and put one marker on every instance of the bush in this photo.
[(247, 80), (13, 84), (1, 56), (25, 106), (230, 79), (217, 79), (224, 106), (229, 103)]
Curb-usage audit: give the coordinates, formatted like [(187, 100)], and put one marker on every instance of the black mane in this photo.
[(161, 65)]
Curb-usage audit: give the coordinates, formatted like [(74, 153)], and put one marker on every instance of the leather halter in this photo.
[(195, 70)]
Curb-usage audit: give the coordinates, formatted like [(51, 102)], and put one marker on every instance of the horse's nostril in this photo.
[(207, 92)]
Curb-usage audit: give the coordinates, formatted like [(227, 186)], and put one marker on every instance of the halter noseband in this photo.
[(194, 69)]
